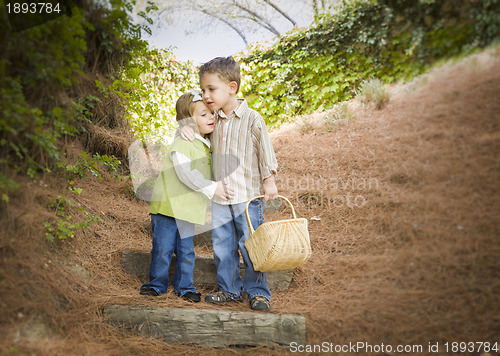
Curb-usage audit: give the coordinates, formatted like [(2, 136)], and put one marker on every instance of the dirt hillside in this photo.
[(403, 206)]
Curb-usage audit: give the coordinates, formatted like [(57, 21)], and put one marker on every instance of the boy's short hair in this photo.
[(225, 67)]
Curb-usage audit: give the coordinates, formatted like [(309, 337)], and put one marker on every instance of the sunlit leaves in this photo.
[(313, 68)]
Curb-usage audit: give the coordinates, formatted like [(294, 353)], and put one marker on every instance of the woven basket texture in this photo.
[(279, 245)]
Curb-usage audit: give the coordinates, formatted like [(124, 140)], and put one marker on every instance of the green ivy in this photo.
[(86, 164), (64, 227), (313, 68), (151, 84)]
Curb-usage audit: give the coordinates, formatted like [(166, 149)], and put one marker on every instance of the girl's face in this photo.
[(204, 118)]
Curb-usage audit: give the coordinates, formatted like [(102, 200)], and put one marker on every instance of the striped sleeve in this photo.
[(264, 149)]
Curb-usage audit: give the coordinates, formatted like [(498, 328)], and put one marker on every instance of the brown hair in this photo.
[(184, 111), (225, 67)]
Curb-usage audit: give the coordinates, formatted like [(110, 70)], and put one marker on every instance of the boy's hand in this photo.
[(223, 191), (270, 189), (187, 133)]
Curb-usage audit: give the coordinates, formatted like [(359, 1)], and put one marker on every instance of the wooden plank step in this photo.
[(205, 274), (209, 327)]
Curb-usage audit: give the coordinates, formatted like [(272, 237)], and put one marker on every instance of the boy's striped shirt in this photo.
[(242, 152)]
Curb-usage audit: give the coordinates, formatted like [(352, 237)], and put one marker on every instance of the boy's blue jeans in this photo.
[(166, 241), (230, 231)]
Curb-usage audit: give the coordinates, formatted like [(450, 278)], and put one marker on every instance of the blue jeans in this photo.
[(166, 241), (230, 231)]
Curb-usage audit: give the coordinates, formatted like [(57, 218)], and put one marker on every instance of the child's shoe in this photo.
[(192, 297), (149, 292), (260, 303), (222, 297)]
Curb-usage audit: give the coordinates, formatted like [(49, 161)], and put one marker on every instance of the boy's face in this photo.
[(217, 93)]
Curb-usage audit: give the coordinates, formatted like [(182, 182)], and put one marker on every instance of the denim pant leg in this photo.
[(225, 246), (164, 242), (185, 258), (254, 283)]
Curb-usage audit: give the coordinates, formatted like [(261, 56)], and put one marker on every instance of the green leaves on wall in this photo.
[(313, 68)]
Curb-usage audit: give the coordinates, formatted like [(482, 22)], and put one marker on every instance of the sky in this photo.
[(202, 45)]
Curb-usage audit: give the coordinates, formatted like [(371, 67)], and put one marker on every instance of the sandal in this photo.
[(260, 303), (222, 297)]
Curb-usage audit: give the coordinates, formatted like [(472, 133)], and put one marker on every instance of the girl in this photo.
[(180, 198)]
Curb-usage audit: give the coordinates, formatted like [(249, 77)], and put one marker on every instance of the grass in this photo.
[(340, 115), (373, 91)]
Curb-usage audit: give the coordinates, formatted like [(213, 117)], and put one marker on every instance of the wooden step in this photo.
[(210, 327), (205, 274)]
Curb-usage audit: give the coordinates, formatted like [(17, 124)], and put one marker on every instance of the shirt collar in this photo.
[(206, 141), (238, 112)]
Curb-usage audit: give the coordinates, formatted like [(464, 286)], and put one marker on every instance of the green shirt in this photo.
[(173, 198)]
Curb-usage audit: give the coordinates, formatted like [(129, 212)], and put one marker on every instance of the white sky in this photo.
[(205, 44), (198, 48)]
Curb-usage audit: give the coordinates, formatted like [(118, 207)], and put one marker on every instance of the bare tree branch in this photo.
[(245, 17), (274, 6), (260, 23), (258, 19), (220, 18), (315, 8)]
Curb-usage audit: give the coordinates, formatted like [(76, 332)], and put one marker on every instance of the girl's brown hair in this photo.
[(184, 109)]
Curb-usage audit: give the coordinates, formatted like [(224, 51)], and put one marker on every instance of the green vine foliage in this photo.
[(64, 227), (313, 68), (36, 64), (152, 83), (39, 69), (45, 97)]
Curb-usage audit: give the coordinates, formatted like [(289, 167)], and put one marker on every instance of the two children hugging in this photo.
[(231, 131)]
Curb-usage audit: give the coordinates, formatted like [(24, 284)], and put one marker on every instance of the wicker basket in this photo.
[(278, 245)]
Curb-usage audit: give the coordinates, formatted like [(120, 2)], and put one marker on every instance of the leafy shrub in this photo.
[(43, 99), (64, 227), (152, 83), (6, 185), (314, 68), (39, 69), (90, 164)]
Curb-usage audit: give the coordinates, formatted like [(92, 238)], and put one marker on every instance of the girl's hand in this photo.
[(187, 133), (223, 191)]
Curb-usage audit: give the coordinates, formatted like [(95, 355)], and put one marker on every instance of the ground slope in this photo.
[(403, 207)]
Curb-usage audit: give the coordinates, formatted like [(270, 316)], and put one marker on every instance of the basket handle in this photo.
[(261, 196)]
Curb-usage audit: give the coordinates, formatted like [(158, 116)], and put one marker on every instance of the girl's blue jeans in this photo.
[(166, 242), (230, 231)]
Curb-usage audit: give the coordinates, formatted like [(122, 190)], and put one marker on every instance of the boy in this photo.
[(240, 133)]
